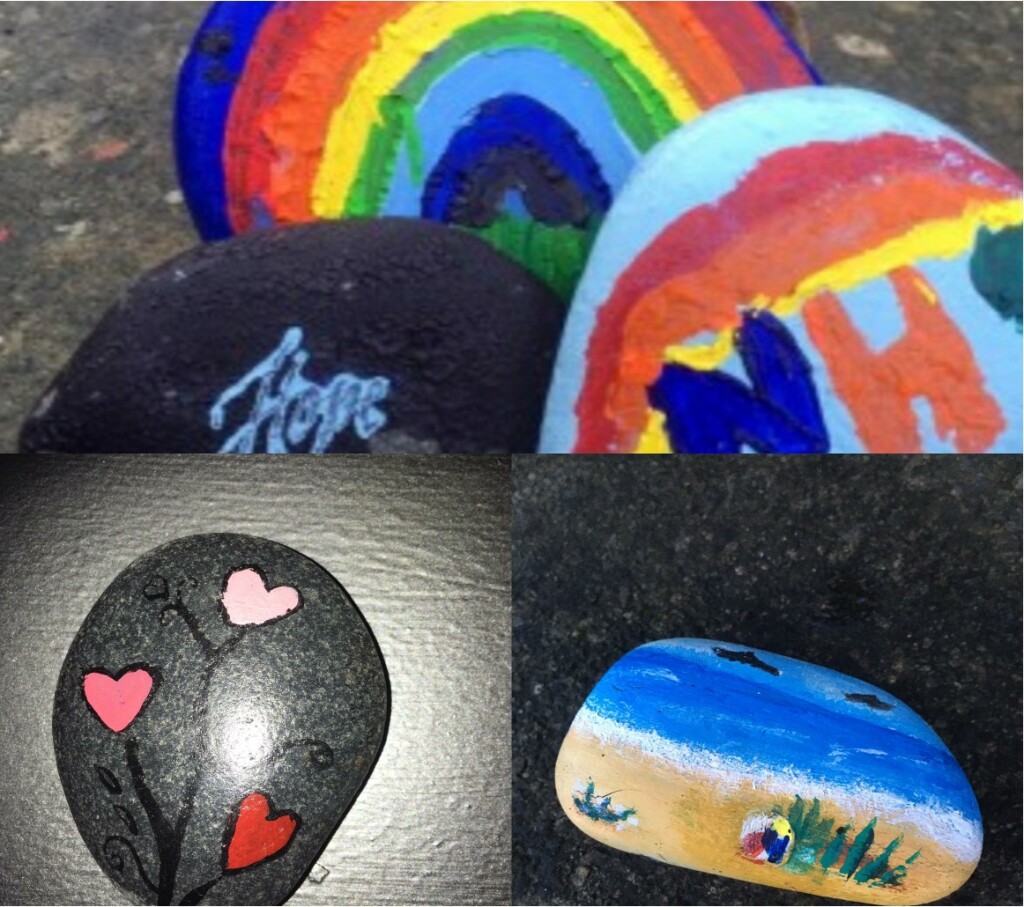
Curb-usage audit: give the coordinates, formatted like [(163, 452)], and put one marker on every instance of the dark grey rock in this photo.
[(222, 734), (346, 337)]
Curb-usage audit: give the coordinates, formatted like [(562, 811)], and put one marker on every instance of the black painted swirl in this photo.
[(127, 818), (116, 860)]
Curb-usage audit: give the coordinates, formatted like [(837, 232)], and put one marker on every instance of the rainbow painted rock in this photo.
[(368, 336), (806, 271), (518, 121), (749, 765), (216, 715)]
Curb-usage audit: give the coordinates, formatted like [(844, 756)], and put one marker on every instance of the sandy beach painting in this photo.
[(717, 757)]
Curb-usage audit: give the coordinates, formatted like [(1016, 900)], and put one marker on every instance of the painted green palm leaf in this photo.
[(845, 851), (811, 832)]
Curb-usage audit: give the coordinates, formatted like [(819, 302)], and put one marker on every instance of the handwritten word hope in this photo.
[(292, 413)]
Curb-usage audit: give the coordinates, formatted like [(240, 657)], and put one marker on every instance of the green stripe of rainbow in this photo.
[(322, 82)]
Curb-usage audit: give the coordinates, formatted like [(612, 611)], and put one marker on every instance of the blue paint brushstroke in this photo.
[(538, 73), (795, 46), (600, 808), (801, 719), (511, 130), (206, 89), (774, 845), (712, 412)]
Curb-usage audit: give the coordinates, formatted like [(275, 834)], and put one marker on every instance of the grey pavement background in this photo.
[(88, 192), (904, 572)]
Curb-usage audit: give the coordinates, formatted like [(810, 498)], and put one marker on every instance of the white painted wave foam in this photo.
[(954, 831)]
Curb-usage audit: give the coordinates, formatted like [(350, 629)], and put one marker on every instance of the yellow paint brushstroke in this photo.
[(941, 239), (704, 357), (926, 290), (689, 818), (654, 440), (403, 43)]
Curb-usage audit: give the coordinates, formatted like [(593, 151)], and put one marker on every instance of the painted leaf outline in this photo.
[(108, 779)]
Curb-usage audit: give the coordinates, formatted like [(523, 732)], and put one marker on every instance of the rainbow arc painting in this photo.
[(812, 270), (517, 121), (751, 261)]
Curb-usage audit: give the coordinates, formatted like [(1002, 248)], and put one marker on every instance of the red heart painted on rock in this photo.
[(255, 833), (117, 702), (248, 601)]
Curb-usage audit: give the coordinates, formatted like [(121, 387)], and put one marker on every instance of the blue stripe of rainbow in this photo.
[(206, 88)]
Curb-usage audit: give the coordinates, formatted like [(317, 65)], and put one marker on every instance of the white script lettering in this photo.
[(294, 413)]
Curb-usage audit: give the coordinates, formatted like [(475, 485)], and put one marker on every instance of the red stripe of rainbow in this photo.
[(802, 211), (307, 55)]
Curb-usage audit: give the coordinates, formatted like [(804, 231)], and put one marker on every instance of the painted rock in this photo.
[(215, 717), (757, 767), (517, 121), (364, 336), (806, 271)]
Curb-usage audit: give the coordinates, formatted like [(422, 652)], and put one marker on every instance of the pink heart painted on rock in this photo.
[(117, 702), (248, 601)]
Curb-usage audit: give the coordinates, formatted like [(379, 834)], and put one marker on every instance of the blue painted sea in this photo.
[(798, 720)]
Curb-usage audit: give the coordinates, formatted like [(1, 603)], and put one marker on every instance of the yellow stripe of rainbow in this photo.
[(942, 239), (404, 42)]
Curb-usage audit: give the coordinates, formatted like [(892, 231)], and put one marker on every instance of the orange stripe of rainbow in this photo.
[(309, 58)]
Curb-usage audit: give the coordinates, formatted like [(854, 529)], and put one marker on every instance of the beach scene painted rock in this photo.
[(812, 270), (738, 762), (517, 121)]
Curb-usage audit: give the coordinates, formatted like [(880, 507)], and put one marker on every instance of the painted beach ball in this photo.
[(767, 839), (517, 121), (806, 271), (380, 336)]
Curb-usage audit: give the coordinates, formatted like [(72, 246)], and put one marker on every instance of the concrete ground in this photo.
[(88, 193)]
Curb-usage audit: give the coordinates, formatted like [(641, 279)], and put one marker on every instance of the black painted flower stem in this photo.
[(169, 839)]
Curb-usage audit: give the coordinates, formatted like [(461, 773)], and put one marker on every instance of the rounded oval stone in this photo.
[(811, 270), (758, 767), (215, 717), (362, 336)]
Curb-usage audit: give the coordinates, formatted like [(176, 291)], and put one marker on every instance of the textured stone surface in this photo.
[(903, 573), (77, 227), (215, 717), (815, 270), (421, 543), (377, 336), (747, 764)]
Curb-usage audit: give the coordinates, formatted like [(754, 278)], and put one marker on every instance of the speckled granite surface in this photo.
[(903, 572), (88, 193), (243, 694), (421, 544)]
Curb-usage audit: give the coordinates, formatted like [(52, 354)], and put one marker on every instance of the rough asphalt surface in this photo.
[(903, 572), (88, 192)]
